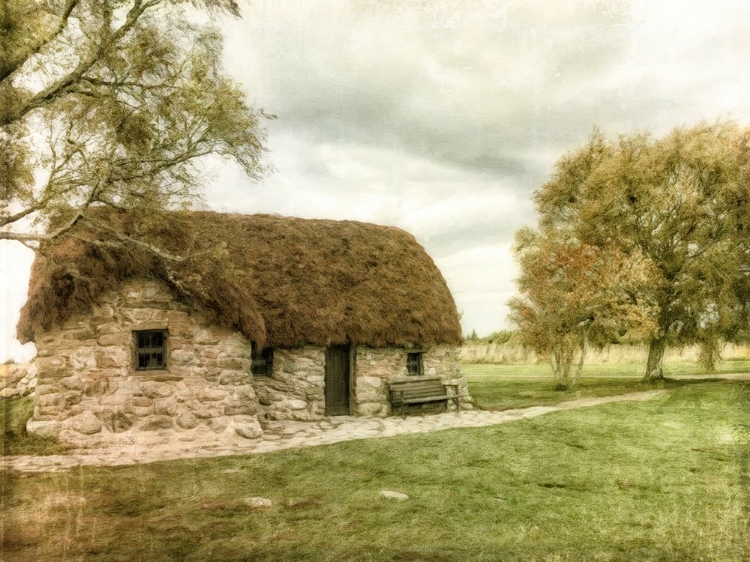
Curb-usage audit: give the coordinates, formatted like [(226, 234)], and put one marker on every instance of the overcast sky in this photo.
[(443, 116)]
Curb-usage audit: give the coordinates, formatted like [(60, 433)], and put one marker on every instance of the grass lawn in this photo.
[(662, 480)]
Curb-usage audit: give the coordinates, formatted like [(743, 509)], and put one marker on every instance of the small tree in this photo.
[(574, 295)]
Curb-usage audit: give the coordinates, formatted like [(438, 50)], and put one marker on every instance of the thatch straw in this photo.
[(281, 281)]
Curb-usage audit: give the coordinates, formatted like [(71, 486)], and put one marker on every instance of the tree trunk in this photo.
[(584, 350), (655, 359), (710, 353), (561, 358)]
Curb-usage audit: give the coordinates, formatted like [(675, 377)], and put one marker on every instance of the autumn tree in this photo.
[(681, 202), (574, 295), (111, 103)]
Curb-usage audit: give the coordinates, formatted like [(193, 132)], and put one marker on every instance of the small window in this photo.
[(414, 366), (262, 362), (150, 350)]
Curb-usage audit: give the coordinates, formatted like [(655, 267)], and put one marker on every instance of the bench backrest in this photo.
[(422, 388)]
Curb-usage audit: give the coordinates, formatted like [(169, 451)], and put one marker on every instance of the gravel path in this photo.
[(147, 447)]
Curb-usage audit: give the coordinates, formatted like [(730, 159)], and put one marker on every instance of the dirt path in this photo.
[(147, 447)]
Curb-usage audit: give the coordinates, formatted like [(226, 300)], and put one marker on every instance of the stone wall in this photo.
[(376, 367), (87, 384), (17, 379), (296, 389), (89, 389)]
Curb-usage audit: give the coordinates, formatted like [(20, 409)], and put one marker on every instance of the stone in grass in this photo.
[(258, 503), (391, 495)]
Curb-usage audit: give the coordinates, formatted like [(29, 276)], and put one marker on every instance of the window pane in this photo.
[(142, 360), (151, 349), (262, 362), (414, 363)]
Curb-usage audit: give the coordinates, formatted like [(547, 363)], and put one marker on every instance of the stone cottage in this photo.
[(264, 318)]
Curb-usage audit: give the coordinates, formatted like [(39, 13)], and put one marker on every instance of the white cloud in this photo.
[(442, 117)]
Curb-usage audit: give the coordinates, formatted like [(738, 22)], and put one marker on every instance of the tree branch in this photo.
[(129, 239), (65, 84), (70, 5)]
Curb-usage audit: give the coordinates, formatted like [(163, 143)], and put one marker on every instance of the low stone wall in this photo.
[(17, 379), (88, 385), (376, 367)]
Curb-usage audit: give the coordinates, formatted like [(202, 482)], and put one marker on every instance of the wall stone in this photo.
[(295, 391), (17, 379), (87, 384)]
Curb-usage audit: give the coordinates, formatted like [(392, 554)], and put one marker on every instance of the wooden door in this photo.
[(337, 381)]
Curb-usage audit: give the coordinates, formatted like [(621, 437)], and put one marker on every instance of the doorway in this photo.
[(337, 375)]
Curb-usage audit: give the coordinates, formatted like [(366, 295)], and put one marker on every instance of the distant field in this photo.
[(631, 370), (502, 387), (664, 480), (616, 354)]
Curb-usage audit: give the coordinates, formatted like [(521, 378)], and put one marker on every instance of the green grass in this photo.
[(663, 480), (14, 412), (502, 387), (503, 393)]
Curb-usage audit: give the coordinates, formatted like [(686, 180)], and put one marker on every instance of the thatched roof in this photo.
[(281, 281)]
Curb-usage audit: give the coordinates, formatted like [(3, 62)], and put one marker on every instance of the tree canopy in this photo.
[(111, 103), (681, 204), (575, 294)]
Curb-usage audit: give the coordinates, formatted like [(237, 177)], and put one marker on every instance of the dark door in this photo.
[(337, 381)]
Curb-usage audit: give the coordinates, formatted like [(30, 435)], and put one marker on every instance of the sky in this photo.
[(442, 117)]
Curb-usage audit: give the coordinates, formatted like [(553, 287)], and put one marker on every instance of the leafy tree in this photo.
[(574, 295), (682, 203), (111, 103)]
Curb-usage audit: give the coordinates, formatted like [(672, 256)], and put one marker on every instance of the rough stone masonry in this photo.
[(88, 389)]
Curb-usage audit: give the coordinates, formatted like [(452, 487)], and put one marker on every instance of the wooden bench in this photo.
[(420, 391)]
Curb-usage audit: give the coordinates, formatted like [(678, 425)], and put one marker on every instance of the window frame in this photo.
[(415, 358), (163, 349), (261, 362)]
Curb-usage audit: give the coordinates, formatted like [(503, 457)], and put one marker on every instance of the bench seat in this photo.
[(421, 391)]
